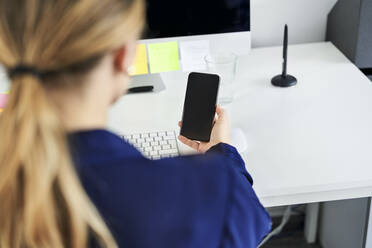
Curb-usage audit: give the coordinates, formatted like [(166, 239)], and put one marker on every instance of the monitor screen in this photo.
[(174, 18)]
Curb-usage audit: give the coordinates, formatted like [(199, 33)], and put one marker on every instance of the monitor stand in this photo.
[(148, 80)]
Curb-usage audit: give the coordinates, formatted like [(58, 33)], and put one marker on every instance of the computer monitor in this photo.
[(225, 24)]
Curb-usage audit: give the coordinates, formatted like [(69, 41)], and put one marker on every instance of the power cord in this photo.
[(278, 229)]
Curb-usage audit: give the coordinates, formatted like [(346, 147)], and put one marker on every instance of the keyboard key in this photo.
[(166, 147), (145, 135), (163, 142), (153, 135), (162, 134), (155, 143), (170, 151), (172, 143), (153, 153), (157, 148), (170, 133), (146, 144)]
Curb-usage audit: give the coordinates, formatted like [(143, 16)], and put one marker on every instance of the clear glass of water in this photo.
[(224, 65)]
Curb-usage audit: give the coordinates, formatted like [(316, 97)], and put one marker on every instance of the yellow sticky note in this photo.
[(164, 57), (139, 66)]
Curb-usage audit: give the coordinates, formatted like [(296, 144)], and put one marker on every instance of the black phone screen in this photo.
[(200, 106)]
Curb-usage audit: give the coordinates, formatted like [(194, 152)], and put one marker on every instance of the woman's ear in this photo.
[(123, 57)]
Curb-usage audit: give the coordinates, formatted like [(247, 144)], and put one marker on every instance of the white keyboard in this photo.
[(155, 145)]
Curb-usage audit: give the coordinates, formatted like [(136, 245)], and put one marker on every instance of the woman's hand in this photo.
[(220, 133)]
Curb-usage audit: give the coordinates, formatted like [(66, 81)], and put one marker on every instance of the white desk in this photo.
[(309, 143)]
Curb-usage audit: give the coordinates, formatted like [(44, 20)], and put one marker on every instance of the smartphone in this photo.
[(200, 106)]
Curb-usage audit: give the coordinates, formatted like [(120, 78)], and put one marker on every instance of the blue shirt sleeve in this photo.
[(247, 222), (232, 154)]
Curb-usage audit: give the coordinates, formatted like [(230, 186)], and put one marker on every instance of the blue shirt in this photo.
[(190, 201)]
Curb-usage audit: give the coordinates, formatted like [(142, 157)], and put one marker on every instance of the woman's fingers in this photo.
[(188, 142), (220, 112)]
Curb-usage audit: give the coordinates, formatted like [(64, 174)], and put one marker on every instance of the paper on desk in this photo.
[(163, 57), (193, 53), (139, 66)]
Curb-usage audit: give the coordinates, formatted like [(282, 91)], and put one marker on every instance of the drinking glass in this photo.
[(224, 65)]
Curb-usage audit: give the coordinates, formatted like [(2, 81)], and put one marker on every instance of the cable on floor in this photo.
[(278, 229)]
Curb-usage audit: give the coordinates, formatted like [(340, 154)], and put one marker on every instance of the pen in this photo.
[(141, 89), (285, 51)]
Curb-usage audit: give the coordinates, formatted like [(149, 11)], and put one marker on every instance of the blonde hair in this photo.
[(42, 202)]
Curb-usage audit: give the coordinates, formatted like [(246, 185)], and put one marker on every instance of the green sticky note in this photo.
[(163, 57)]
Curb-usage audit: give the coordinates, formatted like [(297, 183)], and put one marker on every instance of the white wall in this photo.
[(307, 20)]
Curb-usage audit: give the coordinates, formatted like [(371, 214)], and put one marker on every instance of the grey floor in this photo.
[(292, 235)]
